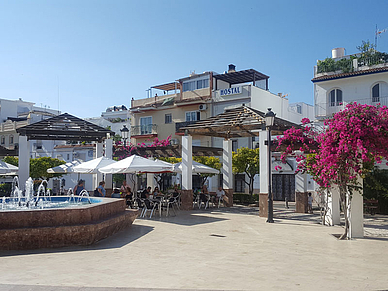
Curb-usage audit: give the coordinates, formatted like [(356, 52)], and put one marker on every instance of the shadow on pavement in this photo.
[(117, 240), (190, 218)]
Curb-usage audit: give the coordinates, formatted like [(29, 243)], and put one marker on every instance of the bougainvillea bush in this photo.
[(338, 152)]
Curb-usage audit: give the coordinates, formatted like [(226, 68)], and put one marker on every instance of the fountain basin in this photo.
[(50, 228)]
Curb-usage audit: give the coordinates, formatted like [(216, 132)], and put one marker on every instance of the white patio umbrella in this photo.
[(197, 168), (135, 164), (92, 167), (65, 168), (6, 168)]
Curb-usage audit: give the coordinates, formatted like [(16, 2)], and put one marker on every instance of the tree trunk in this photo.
[(344, 204)]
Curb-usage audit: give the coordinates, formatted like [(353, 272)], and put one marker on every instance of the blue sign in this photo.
[(230, 91)]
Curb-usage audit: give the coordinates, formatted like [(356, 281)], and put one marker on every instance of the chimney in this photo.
[(232, 68)]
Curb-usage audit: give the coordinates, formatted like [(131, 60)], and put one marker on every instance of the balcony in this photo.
[(349, 64), (178, 125), (144, 130), (323, 110)]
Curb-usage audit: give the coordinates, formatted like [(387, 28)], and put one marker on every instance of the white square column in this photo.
[(187, 162), (356, 214), (333, 206), (227, 172), (109, 155), (99, 154), (263, 162), (24, 161)]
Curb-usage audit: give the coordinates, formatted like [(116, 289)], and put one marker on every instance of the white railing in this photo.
[(328, 109)]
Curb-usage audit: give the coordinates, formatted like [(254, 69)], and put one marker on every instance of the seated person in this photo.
[(176, 192), (157, 192), (127, 193), (146, 193), (204, 194), (116, 193), (220, 193)]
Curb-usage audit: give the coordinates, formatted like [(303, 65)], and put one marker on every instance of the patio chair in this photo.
[(196, 200), (170, 204), (149, 205), (178, 201), (140, 205), (205, 199)]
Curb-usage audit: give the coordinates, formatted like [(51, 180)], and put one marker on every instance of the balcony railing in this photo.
[(178, 125), (351, 63), (329, 108), (144, 129)]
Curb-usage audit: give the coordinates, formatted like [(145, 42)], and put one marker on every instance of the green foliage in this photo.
[(39, 166), (5, 189), (116, 138), (212, 162), (245, 198), (365, 46), (368, 56), (246, 161), (118, 178), (376, 184), (12, 160), (172, 160)]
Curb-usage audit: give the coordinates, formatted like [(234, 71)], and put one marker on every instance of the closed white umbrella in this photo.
[(6, 168), (65, 168), (135, 164), (92, 167), (197, 168)]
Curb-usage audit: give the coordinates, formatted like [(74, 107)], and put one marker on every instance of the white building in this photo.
[(363, 82), (114, 117), (18, 113)]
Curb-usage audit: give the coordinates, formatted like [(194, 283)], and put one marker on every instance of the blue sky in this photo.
[(103, 53)]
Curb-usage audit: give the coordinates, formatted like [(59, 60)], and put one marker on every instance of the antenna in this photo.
[(378, 33), (58, 93)]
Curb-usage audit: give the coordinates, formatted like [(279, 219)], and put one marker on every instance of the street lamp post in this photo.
[(124, 134), (269, 121)]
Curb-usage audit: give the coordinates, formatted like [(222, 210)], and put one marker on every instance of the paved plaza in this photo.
[(216, 249)]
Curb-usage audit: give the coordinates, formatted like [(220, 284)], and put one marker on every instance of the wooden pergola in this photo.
[(64, 127), (175, 151), (244, 76), (242, 121)]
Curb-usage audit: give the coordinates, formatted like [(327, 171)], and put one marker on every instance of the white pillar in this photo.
[(301, 182), (263, 162), (24, 161), (99, 153), (187, 162), (109, 155), (333, 206), (356, 214), (227, 172)]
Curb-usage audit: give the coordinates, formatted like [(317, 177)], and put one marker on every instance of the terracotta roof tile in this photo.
[(350, 74)]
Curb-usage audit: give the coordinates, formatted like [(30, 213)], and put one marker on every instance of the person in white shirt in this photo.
[(220, 193), (310, 203)]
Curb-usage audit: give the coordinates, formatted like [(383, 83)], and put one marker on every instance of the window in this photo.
[(194, 85), (68, 157), (168, 118), (146, 125), (299, 109), (3, 139), (11, 139), (189, 86), (193, 115), (335, 97), (234, 145), (376, 93), (202, 83)]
